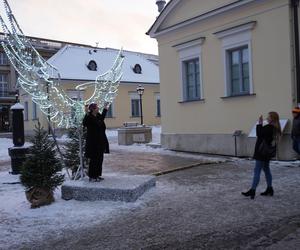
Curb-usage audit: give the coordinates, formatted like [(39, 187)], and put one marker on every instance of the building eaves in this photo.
[(160, 14), (153, 31)]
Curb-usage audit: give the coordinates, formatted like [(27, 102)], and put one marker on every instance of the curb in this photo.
[(183, 168)]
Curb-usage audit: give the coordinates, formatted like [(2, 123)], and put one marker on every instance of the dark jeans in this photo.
[(265, 166), (95, 166), (296, 145)]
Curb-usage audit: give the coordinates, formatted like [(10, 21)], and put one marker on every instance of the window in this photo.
[(34, 111), (236, 48), (3, 85), (92, 65), (189, 53), (191, 79), (137, 69), (25, 111), (135, 107), (3, 59), (109, 113), (238, 71), (158, 108)]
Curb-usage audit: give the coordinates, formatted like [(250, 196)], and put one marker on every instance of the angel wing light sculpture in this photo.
[(42, 82)]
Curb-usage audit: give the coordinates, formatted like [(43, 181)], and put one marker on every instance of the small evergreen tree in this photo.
[(40, 172), (72, 152)]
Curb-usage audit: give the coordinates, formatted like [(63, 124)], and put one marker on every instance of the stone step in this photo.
[(126, 188)]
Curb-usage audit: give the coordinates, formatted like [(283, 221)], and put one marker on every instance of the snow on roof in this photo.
[(72, 62)]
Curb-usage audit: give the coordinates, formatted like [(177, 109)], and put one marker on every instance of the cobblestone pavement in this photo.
[(199, 208), (121, 161), (127, 162)]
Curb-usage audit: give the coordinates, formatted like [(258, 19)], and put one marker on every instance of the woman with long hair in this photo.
[(266, 136)]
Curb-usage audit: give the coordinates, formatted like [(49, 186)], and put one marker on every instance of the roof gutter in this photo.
[(295, 6)]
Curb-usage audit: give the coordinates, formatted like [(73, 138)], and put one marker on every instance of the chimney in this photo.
[(160, 4)]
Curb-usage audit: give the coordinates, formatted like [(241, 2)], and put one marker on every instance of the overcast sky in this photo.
[(112, 23)]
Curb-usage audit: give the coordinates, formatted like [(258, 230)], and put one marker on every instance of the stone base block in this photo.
[(222, 144), (18, 157), (131, 135), (126, 188)]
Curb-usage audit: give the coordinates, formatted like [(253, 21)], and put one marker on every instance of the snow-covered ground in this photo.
[(6, 143), (19, 223)]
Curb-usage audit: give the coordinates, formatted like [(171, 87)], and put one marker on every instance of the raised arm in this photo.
[(105, 109)]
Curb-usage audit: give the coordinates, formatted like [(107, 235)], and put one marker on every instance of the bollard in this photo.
[(18, 152)]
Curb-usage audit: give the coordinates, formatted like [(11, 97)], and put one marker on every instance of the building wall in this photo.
[(215, 118), (186, 9), (121, 106)]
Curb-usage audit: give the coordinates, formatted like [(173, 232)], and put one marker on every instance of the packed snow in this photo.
[(6, 143), (20, 224)]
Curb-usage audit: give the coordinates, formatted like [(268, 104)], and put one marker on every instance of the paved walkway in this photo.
[(198, 208), (128, 162)]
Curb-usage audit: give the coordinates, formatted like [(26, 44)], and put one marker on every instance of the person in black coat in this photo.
[(296, 130), (266, 135), (96, 140)]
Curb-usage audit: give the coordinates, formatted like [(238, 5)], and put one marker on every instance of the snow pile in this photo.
[(5, 143), (156, 131), (20, 224), (111, 133), (63, 138)]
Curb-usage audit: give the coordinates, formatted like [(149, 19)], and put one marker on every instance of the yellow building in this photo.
[(222, 64), (77, 64)]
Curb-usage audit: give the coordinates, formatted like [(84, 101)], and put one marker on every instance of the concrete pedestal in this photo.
[(126, 188), (131, 135), (18, 156)]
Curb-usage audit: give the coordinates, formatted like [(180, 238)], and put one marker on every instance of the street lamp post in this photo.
[(140, 91)]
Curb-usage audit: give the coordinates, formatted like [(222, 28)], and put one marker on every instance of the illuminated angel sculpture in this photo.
[(41, 80)]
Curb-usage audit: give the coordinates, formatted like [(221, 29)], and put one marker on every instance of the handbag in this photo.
[(267, 150)]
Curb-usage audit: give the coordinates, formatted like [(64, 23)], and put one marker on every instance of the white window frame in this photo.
[(3, 58), (34, 111), (73, 94), (157, 97), (134, 96), (4, 84), (189, 51), (26, 111), (112, 107), (234, 38)]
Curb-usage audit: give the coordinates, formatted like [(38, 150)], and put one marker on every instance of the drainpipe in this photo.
[(295, 6)]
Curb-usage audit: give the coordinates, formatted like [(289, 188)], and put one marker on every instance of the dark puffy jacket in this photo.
[(296, 128), (96, 140), (266, 133)]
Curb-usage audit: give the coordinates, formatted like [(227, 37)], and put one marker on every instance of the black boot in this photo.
[(269, 191), (250, 193)]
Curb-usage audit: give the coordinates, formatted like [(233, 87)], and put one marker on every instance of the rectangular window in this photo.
[(109, 113), (191, 71), (135, 107), (3, 85), (238, 71), (34, 111), (25, 111), (3, 58), (158, 108)]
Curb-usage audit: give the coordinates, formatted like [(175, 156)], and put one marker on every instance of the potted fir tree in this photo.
[(41, 172)]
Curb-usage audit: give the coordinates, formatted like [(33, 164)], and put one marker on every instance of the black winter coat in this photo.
[(96, 140), (266, 133), (296, 128)]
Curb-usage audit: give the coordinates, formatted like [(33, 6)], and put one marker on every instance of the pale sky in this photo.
[(112, 23)]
